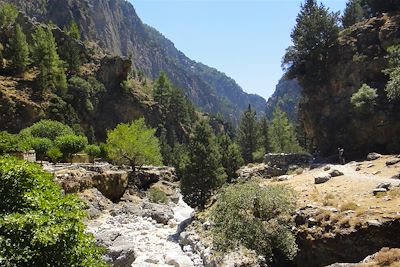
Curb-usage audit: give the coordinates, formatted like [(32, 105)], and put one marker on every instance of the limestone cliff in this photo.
[(326, 111), (115, 25)]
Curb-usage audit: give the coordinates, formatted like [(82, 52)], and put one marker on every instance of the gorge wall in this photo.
[(328, 116)]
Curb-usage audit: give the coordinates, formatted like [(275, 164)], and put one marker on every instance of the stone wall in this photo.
[(284, 161)]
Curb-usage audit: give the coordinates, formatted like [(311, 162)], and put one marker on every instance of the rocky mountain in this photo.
[(117, 28), (328, 116), (287, 96)]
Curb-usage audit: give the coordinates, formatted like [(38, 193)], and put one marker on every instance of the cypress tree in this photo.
[(51, 72), (247, 135), (231, 159), (263, 129), (19, 51), (203, 172)]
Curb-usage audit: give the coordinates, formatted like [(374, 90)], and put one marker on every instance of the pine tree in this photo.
[(375, 7), (71, 50), (51, 72), (314, 36), (247, 135), (231, 159), (203, 173), (282, 135), (263, 129), (19, 51), (353, 13)]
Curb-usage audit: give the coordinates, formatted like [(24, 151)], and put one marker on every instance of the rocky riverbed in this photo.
[(133, 230)]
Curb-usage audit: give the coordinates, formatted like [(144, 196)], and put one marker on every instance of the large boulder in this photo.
[(373, 156), (322, 178), (160, 213), (112, 184)]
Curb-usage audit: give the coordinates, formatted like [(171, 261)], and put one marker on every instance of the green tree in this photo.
[(70, 144), (203, 173), (263, 134), (258, 218), (282, 135), (134, 144), (51, 72), (353, 13), (376, 7), (231, 158), (313, 37), (8, 15), (247, 134), (39, 226), (364, 100), (18, 50), (47, 129), (71, 50)]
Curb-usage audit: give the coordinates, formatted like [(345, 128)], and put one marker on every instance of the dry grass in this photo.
[(394, 193), (386, 257), (330, 200), (348, 206)]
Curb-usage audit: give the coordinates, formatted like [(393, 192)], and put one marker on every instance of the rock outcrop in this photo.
[(326, 111)]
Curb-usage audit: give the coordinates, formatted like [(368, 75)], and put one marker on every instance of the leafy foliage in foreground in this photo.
[(256, 217), (39, 226)]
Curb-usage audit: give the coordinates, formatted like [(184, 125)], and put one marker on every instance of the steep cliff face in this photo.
[(327, 113), (287, 96), (115, 25)]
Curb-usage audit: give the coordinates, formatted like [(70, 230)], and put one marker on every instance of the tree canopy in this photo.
[(203, 172), (282, 135), (247, 135), (314, 37), (134, 144)]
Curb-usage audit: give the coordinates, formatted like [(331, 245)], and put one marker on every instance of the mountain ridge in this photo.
[(115, 25)]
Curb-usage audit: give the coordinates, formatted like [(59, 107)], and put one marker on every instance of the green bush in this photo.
[(10, 143), (258, 218), (38, 225), (157, 196), (364, 100)]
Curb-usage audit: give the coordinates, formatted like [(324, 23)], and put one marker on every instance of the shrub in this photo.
[(38, 225), (257, 218), (348, 206), (10, 143), (393, 86), (157, 196), (364, 100)]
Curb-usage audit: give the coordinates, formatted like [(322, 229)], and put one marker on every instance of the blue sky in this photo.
[(245, 39)]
